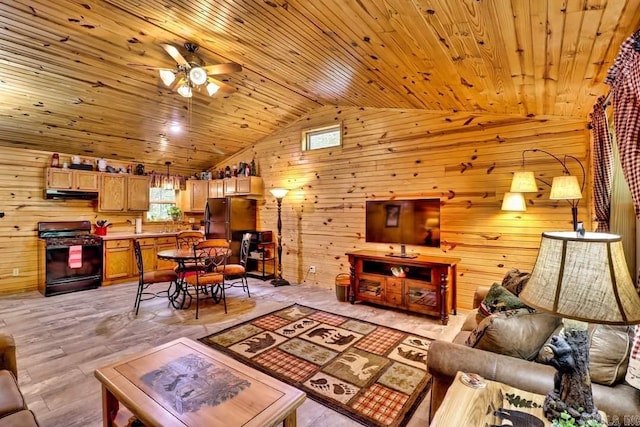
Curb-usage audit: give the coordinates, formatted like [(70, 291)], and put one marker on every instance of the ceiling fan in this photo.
[(192, 73)]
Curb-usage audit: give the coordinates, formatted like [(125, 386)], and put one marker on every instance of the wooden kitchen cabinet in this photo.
[(118, 256), (427, 284), (71, 179), (137, 193), (113, 193), (119, 259), (148, 250), (216, 188), (243, 186), (195, 197), (162, 244), (122, 192)]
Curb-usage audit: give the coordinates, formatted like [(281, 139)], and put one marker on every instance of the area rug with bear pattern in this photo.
[(372, 373)]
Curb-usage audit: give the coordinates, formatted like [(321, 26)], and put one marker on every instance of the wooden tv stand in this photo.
[(429, 285)]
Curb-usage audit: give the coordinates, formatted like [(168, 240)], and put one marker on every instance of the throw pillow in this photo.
[(499, 299), (515, 280), (517, 333), (609, 349), (633, 371)]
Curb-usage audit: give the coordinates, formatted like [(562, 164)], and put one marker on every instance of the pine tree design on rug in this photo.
[(372, 373)]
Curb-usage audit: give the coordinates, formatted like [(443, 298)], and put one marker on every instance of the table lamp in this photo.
[(583, 279)]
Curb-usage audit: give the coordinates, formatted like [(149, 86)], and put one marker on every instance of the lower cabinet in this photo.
[(119, 263), (118, 260)]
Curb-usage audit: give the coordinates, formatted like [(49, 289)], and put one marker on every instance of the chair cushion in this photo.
[(158, 276), (231, 269), (23, 418), (205, 279), (11, 399)]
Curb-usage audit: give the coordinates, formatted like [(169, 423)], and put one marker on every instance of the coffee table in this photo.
[(185, 383)]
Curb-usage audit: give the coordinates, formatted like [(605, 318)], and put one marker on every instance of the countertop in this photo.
[(125, 235)]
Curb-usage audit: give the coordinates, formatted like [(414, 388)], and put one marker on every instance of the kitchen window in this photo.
[(323, 137), (160, 201)]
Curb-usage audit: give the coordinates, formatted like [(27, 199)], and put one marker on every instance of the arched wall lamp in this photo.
[(565, 187)]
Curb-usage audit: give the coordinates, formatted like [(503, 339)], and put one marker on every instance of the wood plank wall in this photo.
[(465, 159), (22, 183)]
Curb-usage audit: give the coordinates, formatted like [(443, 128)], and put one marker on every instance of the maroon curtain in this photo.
[(602, 165), (624, 79)]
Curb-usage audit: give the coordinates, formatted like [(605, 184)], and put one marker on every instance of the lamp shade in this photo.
[(279, 193), (185, 90), (583, 278), (565, 187), (167, 76), (197, 75), (514, 202), (212, 88), (523, 182)]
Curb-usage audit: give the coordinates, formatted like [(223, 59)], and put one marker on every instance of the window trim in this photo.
[(306, 133)]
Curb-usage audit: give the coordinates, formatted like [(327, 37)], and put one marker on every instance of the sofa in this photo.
[(13, 408), (620, 401)]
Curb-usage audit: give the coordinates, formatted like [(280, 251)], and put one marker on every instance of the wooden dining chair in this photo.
[(187, 240), (210, 260), (148, 278), (238, 272)]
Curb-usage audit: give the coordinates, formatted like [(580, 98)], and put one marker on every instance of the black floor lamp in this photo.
[(279, 194)]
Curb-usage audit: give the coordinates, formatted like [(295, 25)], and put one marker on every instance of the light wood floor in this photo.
[(62, 339)]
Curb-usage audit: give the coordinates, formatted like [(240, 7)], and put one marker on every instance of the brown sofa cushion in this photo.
[(23, 418), (609, 350), (11, 399), (515, 280), (518, 333)]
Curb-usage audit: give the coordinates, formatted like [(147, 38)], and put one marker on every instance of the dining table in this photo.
[(182, 257)]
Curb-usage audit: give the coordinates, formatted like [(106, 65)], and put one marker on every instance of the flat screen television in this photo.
[(404, 222)]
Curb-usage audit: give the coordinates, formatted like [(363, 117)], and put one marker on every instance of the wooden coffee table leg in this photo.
[(110, 407), (291, 420)]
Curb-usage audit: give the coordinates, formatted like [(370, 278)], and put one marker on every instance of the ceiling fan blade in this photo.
[(148, 67), (224, 87), (175, 54), (230, 67)]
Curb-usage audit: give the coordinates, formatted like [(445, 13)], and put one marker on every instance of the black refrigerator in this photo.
[(226, 217)]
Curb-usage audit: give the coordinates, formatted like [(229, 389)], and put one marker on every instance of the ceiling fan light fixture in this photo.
[(167, 76), (197, 75), (185, 90), (212, 88)]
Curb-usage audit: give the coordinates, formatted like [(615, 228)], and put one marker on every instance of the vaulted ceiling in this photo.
[(71, 80)]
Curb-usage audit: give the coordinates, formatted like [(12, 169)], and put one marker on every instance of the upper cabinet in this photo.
[(243, 186), (195, 197), (137, 193), (121, 193), (113, 193), (70, 179)]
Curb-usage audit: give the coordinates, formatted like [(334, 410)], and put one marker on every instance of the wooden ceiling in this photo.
[(68, 83)]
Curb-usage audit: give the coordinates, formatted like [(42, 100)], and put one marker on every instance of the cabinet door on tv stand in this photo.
[(422, 296), (370, 288)]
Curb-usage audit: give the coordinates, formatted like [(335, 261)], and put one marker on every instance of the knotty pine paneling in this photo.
[(22, 180), (466, 160)]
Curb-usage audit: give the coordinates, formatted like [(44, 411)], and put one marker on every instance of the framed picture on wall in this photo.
[(393, 215)]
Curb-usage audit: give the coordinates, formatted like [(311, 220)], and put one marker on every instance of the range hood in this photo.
[(70, 195)]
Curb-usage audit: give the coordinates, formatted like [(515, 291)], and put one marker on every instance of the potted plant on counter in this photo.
[(175, 212)]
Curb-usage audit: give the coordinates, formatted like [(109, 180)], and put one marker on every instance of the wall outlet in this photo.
[(312, 269), (16, 271)]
